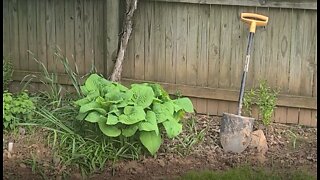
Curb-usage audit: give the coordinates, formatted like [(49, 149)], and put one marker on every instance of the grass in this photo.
[(246, 173)]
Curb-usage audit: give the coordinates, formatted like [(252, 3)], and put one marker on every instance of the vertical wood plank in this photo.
[(69, 32), (6, 29), (202, 76), (293, 115), (171, 34), (192, 46), (194, 103), (314, 121), (214, 46), (13, 34), (269, 64), (236, 55), (314, 92), (51, 34), (212, 107), (97, 35), (60, 32), (261, 50), (284, 48), (111, 19), (149, 41), (202, 106), (280, 115), (88, 35), (32, 34), (41, 32), (79, 36), (305, 117), (181, 67), (233, 107), (308, 53), (159, 47), (23, 34), (296, 52), (223, 106), (138, 42), (225, 44)]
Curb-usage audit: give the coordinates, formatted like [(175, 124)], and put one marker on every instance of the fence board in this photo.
[(149, 41), (181, 67), (6, 30), (202, 106), (170, 42), (305, 117), (23, 34), (284, 49), (88, 35), (98, 21), (293, 115), (296, 52), (280, 115), (41, 32), (202, 74), (69, 32), (223, 107), (111, 27), (79, 36), (192, 46), (160, 21), (214, 46), (32, 34), (14, 33), (60, 33), (212, 107), (314, 118), (138, 39)]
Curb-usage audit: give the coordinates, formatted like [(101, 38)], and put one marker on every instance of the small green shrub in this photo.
[(121, 112), (7, 72), (265, 98), (16, 109)]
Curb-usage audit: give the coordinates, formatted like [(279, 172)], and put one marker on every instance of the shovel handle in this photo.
[(254, 20)]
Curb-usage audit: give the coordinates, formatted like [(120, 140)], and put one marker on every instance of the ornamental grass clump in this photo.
[(140, 111)]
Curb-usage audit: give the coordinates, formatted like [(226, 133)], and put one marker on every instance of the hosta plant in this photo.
[(137, 111)]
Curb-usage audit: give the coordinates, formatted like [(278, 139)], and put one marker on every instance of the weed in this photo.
[(16, 108), (7, 72), (265, 98), (293, 138)]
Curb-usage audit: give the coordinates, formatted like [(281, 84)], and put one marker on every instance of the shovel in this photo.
[(235, 130)]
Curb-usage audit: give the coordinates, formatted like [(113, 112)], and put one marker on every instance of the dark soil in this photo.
[(173, 159)]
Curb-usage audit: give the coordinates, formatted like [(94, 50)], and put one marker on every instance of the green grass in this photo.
[(246, 173)]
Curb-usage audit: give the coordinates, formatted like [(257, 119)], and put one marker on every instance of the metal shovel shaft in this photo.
[(245, 71)]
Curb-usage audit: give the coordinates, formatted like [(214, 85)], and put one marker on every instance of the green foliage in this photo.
[(7, 72), (120, 111), (248, 173), (265, 98), (16, 108)]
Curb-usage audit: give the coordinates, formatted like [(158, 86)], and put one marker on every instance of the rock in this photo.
[(22, 131), (161, 163), (22, 165), (259, 141)]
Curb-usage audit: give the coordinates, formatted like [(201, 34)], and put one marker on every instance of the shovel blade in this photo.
[(235, 132)]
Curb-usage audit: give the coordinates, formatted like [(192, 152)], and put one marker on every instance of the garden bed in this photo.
[(290, 148)]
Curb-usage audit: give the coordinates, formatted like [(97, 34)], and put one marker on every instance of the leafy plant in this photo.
[(122, 112), (16, 109), (7, 72), (265, 98)]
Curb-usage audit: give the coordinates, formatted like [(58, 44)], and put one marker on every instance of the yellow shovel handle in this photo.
[(254, 20)]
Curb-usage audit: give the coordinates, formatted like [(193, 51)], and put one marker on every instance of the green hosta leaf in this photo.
[(114, 109), (163, 111), (150, 124), (121, 87), (92, 106), (127, 96), (132, 114), (111, 131), (84, 90), (114, 97), (82, 102), (81, 116), (94, 116), (151, 141), (129, 131), (112, 119), (173, 128), (185, 104), (92, 95), (91, 82), (179, 115), (142, 95), (160, 92)]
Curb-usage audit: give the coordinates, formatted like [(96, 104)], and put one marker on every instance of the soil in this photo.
[(173, 159)]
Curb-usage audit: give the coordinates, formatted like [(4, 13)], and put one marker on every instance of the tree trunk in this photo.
[(131, 6)]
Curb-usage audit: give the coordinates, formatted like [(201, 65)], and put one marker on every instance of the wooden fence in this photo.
[(195, 47)]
